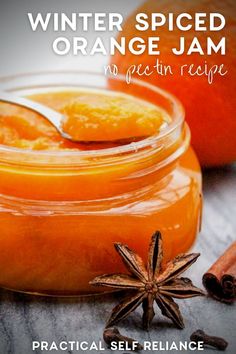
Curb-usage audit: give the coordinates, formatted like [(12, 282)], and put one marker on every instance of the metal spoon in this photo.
[(54, 117)]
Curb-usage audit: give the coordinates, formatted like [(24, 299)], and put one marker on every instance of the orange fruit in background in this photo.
[(210, 108)]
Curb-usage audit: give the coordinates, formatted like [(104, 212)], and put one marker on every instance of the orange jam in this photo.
[(63, 204), (90, 116)]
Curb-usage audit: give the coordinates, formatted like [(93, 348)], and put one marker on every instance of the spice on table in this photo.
[(220, 279), (112, 334), (151, 283), (216, 342)]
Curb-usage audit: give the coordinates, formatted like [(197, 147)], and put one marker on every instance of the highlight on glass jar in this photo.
[(64, 204)]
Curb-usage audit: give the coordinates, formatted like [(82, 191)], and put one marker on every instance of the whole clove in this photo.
[(112, 334), (216, 342)]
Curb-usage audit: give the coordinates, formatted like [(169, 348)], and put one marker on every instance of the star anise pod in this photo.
[(150, 284)]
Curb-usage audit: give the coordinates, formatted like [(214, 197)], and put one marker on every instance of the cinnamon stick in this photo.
[(220, 279)]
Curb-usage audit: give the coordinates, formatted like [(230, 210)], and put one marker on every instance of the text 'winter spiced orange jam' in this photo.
[(64, 204)]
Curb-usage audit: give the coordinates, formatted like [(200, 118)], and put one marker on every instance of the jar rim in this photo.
[(176, 122)]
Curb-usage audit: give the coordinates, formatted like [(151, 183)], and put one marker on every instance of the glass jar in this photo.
[(61, 211)]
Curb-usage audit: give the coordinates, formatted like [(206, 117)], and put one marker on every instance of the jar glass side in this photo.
[(61, 212), (58, 253)]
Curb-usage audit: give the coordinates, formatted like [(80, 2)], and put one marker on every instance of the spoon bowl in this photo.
[(55, 118)]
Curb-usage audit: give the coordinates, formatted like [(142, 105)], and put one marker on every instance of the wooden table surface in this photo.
[(27, 318)]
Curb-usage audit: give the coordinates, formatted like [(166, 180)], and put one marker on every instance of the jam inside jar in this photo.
[(61, 210)]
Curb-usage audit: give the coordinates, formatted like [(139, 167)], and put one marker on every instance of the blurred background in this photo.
[(23, 50)]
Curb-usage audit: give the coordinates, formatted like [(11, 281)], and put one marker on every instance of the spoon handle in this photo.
[(54, 117)]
